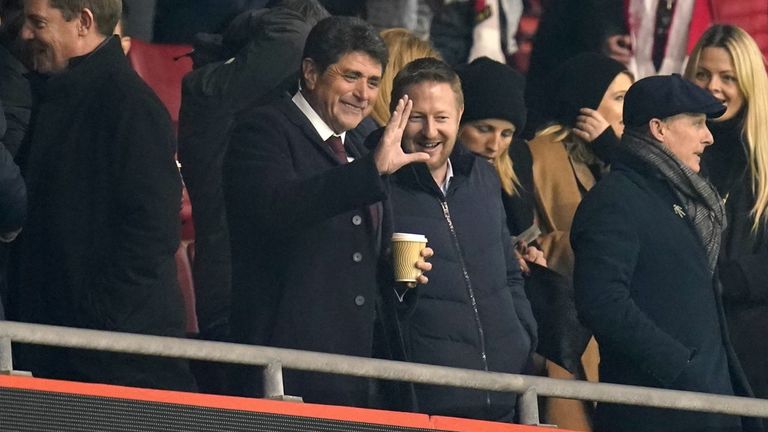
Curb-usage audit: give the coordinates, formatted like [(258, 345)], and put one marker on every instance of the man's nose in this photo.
[(708, 138), (26, 32), (430, 128), (363, 91)]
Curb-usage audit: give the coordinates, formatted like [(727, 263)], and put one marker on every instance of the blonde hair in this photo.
[(577, 148), (750, 69), (505, 170), (559, 132), (502, 163), (403, 48)]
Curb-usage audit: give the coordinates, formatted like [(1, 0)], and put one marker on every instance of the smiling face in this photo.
[(716, 74), (488, 138), (51, 40), (433, 125), (685, 135), (344, 93), (612, 105)]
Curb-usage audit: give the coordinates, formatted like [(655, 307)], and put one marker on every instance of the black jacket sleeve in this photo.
[(516, 286), (148, 198), (606, 248), (746, 278), (13, 192), (596, 20), (272, 55)]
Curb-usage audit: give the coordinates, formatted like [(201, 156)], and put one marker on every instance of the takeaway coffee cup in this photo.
[(406, 252)]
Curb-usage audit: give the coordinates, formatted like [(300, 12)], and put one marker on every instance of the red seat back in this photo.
[(162, 66)]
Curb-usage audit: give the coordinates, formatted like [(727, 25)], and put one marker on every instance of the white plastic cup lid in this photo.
[(409, 237)]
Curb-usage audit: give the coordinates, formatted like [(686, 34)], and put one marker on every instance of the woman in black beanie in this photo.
[(572, 150), (570, 153), (494, 115)]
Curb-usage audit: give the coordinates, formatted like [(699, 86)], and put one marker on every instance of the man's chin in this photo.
[(42, 66), (349, 123)]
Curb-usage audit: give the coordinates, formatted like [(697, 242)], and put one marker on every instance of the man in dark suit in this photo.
[(303, 205), (104, 190), (646, 241)]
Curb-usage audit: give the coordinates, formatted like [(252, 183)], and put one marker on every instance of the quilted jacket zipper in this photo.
[(470, 291)]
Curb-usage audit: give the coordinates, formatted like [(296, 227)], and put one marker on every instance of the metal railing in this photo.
[(275, 359)]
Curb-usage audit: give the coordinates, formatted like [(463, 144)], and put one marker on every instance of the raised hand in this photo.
[(389, 155), (619, 48), (590, 124)]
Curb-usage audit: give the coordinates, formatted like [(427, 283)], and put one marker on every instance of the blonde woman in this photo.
[(494, 115), (403, 48), (570, 153), (727, 62)]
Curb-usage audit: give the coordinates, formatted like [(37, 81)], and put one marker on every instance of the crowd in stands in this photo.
[(595, 212)]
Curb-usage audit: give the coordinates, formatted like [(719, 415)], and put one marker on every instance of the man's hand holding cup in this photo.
[(409, 252)]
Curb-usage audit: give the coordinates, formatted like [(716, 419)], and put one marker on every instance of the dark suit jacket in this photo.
[(13, 205), (644, 289), (103, 226), (16, 94), (304, 254)]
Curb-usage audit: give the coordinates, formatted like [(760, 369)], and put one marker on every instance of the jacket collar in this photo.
[(582, 173), (85, 69), (297, 118), (623, 158), (417, 175)]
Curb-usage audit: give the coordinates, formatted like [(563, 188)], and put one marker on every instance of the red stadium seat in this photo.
[(162, 67)]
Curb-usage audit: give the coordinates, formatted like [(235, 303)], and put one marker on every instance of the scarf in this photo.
[(700, 199)]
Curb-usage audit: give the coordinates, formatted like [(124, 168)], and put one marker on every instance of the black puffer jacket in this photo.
[(473, 314)]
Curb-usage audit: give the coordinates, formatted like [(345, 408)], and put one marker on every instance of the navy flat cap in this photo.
[(664, 96)]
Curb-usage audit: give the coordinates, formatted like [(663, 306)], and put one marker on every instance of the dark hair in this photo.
[(12, 15), (426, 69), (336, 36), (7, 6), (311, 10), (718, 36), (642, 129), (106, 13)]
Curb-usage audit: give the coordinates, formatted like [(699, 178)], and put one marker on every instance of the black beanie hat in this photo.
[(579, 82), (492, 90)]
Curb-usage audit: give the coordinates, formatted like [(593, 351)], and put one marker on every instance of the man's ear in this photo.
[(310, 73), (125, 42), (658, 129), (86, 23)]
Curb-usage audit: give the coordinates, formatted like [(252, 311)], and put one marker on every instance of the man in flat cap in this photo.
[(646, 241)]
